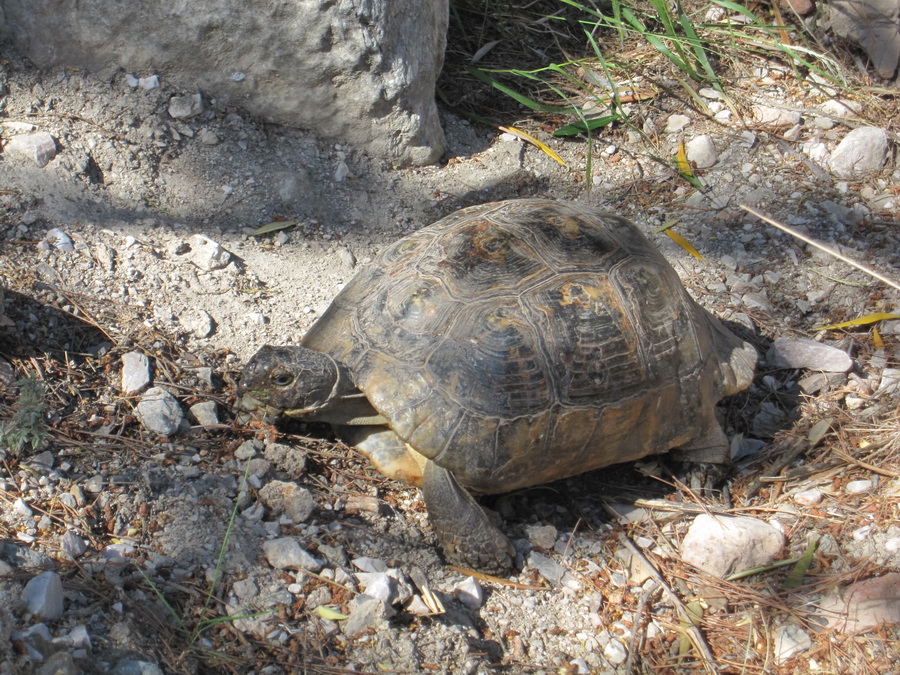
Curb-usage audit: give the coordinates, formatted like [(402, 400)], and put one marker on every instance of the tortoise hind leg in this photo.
[(463, 528), (711, 446), (710, 453)]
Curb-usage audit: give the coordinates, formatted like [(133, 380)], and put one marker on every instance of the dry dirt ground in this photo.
[(174, 577)]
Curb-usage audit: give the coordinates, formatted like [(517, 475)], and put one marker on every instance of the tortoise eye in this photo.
[(283, 379)]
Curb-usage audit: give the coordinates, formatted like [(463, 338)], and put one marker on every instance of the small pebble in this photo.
[(287, 554), (809, 497), (44, 596), (469, 593), (857, 487), (790, 640), (159, 412)]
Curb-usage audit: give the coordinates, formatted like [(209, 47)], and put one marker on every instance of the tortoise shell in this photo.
[(524, 341)]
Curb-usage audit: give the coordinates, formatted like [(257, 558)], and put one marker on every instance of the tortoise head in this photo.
[(294, 381)]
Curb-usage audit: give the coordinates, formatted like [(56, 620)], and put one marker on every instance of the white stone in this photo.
[(44, 596), (702, 151), (159, 412), (863, 151), (207, 254), (135, 372), (790, 640), (72, 544), (469, 593), (39, 146), (615, 652), (858, 487), (371, 565), (808, 497), (148, 83), (677, 123), (199, 323), (287, 554), (185, 107), (806, 353), (542, 536), (381, 586), (59, 240), (205, 413), (723, 545), (775, 116)]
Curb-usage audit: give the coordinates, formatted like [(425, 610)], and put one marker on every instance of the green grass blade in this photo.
[(699, 52), (588, 124), (516, 96)]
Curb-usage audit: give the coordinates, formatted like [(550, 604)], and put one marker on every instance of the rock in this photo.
[(185, 107), (874, 25), (43, 461), (131, 667), (702, 151), (199, 323), (78, 638), (790, 640), (808, 497), (246, 450), (287, 554), (205, 413), (841, 108), (135, 372), (72, 544), (44, 596), (863, 151), (367, 70), (542, 536), (365, 613), (769, 420), (40, 147), (59, 240), (775, 116), (295, 502), (207, 254), (159, 412), (245, 590), (380, 586), (677, 123), (808, 354), (287, 458), (21, 508), (723, 545), (208, 137), (865, 604), (418, 607), (94, 484), (615, 652), (890, 381), (858, 487), (149, 82), (469, 593), (371, 565), (342, 172), (58, 663), (552, 571)]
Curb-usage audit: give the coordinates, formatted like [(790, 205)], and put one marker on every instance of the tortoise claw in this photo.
[(465, 531)]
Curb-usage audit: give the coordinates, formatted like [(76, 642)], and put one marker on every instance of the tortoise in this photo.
[(507, 345)]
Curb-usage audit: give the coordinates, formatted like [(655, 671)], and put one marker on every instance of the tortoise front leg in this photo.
[(463, 528)]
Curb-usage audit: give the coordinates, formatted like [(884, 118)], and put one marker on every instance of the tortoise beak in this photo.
[(248, 407)]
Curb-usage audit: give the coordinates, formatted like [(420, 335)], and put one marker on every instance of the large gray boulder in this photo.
[(362, 71), (875, 26)]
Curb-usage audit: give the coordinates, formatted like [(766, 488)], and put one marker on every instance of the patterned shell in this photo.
[(524, 341)]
